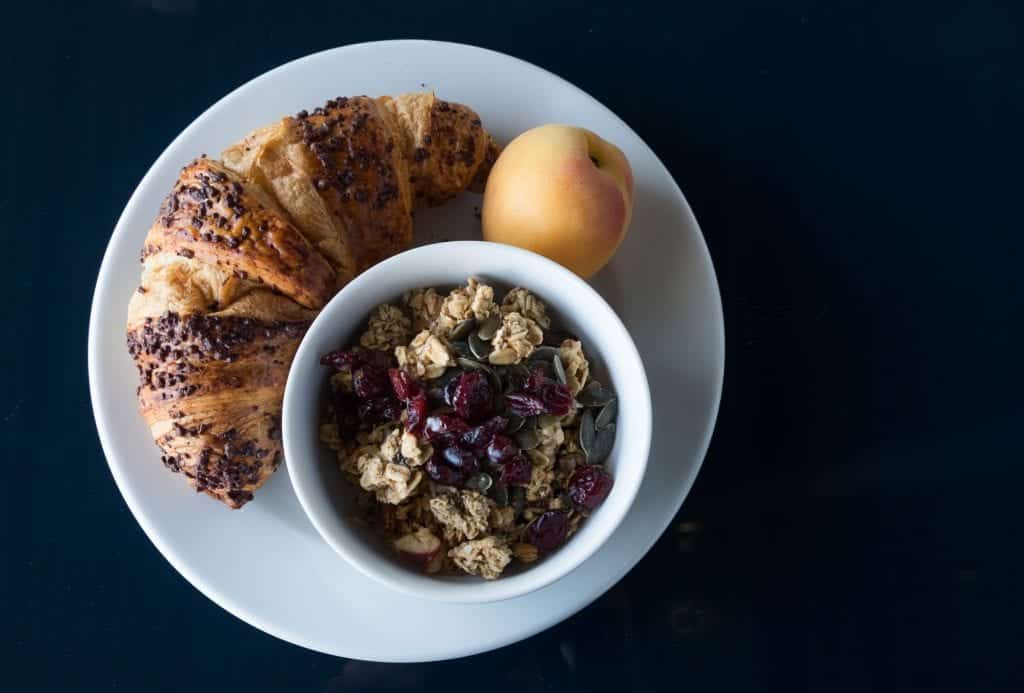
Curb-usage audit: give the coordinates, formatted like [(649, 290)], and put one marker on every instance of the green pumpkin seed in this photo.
[(607, 415), (499, 394), (547, 366), (449, 375), (518, 370), (588, 433), (479, 482), (499, 494), (461, 349), (544, 353), (595, 395), (463, 329), (559, 369), (527, 439), (518, 500), (546, 420), (470, 364), (489, 328), (515, 422), (480, 348), (604, 441)]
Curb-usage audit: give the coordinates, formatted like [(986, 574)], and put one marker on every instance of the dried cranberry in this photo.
[(516, 471), (524, 405), (479, 437), (442, 473), (474, 397), (377, 358), (556, 398), (535, 382), (405, 386), (463, 460), (344, 360), (366, 411), (501, 449), (444, 428), (589, 485), (390, 409), (346, 415), (341, 359), (378, 409), (416, 413), (548, 531), (369, 381)]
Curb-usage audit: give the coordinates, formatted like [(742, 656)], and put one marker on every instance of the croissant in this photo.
[(245, 251)]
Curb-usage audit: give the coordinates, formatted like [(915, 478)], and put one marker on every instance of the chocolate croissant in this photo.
[(245, 251)]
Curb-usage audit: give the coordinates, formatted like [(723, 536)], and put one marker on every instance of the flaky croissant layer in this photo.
[(245, 251)]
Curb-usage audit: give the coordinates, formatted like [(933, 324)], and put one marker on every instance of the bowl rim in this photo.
[(530, 580)]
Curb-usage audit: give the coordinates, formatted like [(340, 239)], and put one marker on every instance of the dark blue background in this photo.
[(856, 168)]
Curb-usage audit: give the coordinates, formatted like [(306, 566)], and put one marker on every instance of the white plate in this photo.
[(265, 563)]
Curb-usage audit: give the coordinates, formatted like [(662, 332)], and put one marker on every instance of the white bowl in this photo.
[(327, 497)]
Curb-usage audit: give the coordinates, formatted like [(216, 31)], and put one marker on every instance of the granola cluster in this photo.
[(474, 444)]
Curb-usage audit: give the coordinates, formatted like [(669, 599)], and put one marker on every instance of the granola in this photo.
[(426, 356), (521, 301), (515, 339), (424, 305), (387, 328), (475, 300), (472, 445), (577, 369), (465, 515), (485, 557)]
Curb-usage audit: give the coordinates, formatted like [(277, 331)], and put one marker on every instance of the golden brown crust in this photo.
[(211, 394), (444, 143), (244, 253), (212, 217), (360, 173)]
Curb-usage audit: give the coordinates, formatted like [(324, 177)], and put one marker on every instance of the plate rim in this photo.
[(223, 600)]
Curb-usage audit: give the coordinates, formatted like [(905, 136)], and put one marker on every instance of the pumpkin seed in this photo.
[(489, 328), (546, 420), (518, 370), (480, 348), (607, 415), (546, 366), (471, 364), (595, 395), (510, 381), (515, 422), (518, 500), (544, 353), (588, 433), (559, 369), (499, 395), (479, 482), (461, 349), (531, 423), (448, 376), (604, 441), (527, 439), (499, 494), (463, 329)]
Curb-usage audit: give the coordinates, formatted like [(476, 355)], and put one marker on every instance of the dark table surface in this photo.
[(856, 169)]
